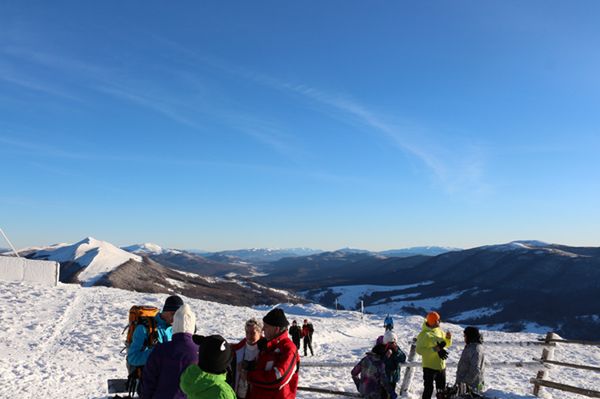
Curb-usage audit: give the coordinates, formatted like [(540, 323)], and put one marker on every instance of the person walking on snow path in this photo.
[(245, 354), (168, 360), (207, 379), (431, 344), (307, 334), (275, 373), (470, 367), (296, 334), (388, 323)]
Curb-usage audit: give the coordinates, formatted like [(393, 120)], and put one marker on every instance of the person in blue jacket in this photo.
[(139, 350)]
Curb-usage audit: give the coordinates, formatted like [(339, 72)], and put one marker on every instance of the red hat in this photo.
[(433, 318)]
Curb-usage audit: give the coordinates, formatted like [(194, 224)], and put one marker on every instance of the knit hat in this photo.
[(379, 340), (389, 337), (432, 318), (184, 320), (276, 318), (172, 304), (214, 353)]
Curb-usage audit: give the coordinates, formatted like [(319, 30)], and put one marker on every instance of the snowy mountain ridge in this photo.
[(148, 248), (96, 257)]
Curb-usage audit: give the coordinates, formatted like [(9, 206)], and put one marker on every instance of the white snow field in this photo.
[(64, 342)]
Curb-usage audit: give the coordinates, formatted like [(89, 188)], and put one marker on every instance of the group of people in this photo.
[(378, 372), (263, 365), (304, 333)]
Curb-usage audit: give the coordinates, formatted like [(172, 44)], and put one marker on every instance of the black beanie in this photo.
[(214, 353), (172, 304), (276, 318)]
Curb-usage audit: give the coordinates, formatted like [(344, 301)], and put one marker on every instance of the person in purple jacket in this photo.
[(170, 359)]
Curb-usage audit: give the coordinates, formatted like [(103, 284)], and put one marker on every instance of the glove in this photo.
[(441, 344), (443, 354), (248, 365), (262, 344)]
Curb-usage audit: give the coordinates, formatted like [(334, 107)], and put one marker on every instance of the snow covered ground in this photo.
[(64, 342)]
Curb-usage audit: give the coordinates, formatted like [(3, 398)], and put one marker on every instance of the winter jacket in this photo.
[(373, 382), (392, 364), (276, 373), (198, 384), (242, 351), (427, 339), (165, 365), (307, 331), (471, 366), (295, 333), (138, 352)]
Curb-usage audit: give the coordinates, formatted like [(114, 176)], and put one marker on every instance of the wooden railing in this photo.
[(547, 360)]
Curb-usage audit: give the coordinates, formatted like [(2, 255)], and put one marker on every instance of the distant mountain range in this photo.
[(506, 285), (93, 262)]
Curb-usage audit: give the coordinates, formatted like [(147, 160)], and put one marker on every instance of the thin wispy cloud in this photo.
[(456, 172)]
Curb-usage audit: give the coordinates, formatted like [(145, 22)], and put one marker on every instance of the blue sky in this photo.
[(319, 124)]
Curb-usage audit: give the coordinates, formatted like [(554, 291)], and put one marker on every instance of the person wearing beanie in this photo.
[(168, 360), (139, 351), (369, 374), (244, 357), (207, 379), (431, 344), (470, 369), (392, 358), (275, 373), (296, 334)]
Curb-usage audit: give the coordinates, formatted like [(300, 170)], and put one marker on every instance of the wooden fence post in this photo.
[(547, 354), (408, 374)]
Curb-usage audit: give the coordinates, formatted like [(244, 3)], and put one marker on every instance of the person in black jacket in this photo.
[(296, 334)]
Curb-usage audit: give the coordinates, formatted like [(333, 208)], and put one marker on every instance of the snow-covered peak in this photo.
[(145, 248), (96, 256)]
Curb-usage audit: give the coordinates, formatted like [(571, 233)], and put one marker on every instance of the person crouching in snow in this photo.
[(207, 379), (373, 382), (244, 356), (168, 360), (275, 373), (392, 358), (471, 364)]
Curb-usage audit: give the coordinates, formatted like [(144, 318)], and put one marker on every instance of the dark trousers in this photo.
[(308, 342), (430, 375), (296, 342)]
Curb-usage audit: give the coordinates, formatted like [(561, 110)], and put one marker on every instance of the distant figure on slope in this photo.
[(388, 323), (168, 360), (207, 379), (142, 343), (307, 334), (392, 358), (470, 368), (431, 342), (296, 334), (275, 373), (245, 354), (369, 374)]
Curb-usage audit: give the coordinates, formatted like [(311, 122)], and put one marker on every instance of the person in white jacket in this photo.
[(245, 353)]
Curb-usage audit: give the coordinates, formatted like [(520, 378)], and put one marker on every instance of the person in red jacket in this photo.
[(275, 373)]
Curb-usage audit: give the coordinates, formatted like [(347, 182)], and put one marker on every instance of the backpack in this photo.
[(143, 315)]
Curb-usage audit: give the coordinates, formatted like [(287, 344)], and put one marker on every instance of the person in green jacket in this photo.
[(207, 379), (431, 344)]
